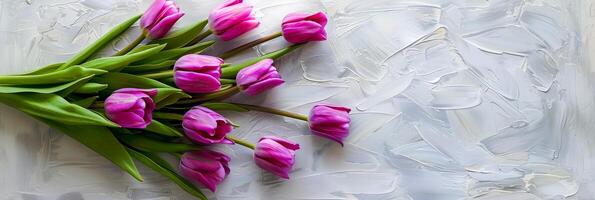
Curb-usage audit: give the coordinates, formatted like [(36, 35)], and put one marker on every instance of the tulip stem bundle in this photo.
[(241, 142), (129, 105), (273, 111), (235, 51), (132, 45)]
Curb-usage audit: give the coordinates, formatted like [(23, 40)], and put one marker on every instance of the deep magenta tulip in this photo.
[(276, 155), (258, 78), (232, 19), (205, 167), (198, 73), (204, 126), (300, 27), (160, 17), (131, 107), (330, 121)]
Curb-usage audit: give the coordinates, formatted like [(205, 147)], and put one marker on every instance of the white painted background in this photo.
[(453, 99)]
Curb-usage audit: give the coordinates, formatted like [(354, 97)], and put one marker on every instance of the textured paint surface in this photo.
[(453, 99)]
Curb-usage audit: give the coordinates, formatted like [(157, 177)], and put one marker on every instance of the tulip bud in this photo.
[(258, 78), (276, 155), (232, 19), (131, 107), (329, 121), (205, 167), (300, 27), (198, 73), (204, 126), (159, 18)]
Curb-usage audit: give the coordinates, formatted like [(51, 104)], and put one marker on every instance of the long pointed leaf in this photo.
[(183, 36), (144, 143), (115, 63), (101, 140), (62, 76), (162, 129), (55, 108), (44, 89), (100, 43), (149, 67), (174, 54)]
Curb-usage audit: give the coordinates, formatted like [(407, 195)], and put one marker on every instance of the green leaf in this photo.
[(101, 140), (44, 89), (145, 143), (168, 116), (142, 48), (77, 84), (168, 96), (44, 70), (149, 67), (232, 70), (162, 129), (174, 54), (90, 88), (116, 80), (166, 171), (115, 63), (183, 36), (62, 76), (224, 106), (55, 108), (86, 102), (100, 43)]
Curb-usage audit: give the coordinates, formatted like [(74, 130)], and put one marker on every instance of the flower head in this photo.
[(204, 126), (195, 73), (131, 107), (205, 167), (276, 155), (258, 78), (300, 27), (232, 19), (160, 17), (330, 121)]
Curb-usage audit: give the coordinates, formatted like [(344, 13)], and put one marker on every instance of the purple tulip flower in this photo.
[(195, 73), (205, 167), (330, 121), (276, 155), (204, 126), (232, 19), (131, 107), (159, 18), (300, 27), (258, 78)]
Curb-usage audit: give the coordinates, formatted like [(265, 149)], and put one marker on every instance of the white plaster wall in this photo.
[(453, 99)]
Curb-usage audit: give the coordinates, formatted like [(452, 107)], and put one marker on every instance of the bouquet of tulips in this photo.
[(159, 96)]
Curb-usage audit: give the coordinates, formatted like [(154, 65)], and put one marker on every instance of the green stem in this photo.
[(225, 81), (241, 142), (159, 75), (200, 37), (232, 70), (168, 116), (131, 46), (222, 94), (273, 111), (235, 51)]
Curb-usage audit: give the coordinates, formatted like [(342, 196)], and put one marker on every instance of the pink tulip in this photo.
[(131, 107), (258, 78), (232, 19), (330, 121), (198, 73), (204, 126), (276, 155), (205, 167), (160, 17), (300, 27)]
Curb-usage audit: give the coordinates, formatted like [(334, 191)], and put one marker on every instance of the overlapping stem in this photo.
[(131, 46), (241, 142), (273, 111), (234, 51)]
